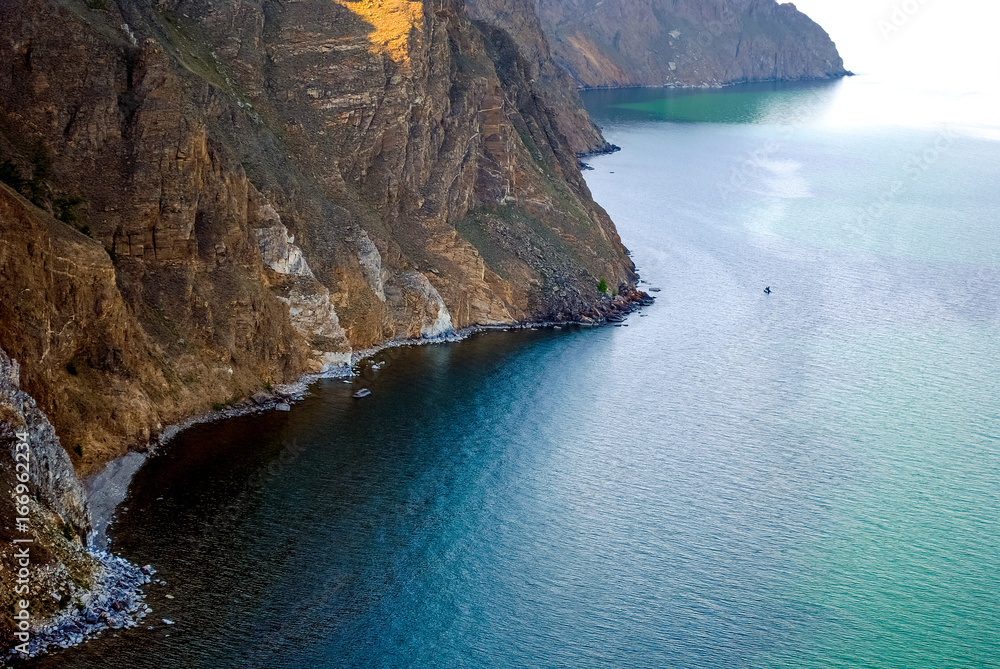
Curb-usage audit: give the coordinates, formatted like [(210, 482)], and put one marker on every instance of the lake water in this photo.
[(809, 478)]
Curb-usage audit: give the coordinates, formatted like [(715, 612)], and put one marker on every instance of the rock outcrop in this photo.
[(53, 505), (203, 199), (616, 43)]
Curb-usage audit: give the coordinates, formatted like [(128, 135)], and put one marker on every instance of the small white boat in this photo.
[(364, 392)]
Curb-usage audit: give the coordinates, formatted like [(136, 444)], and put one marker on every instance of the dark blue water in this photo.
[(809, 478)]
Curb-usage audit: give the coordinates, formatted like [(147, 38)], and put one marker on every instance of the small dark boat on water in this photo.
[(364, 392)]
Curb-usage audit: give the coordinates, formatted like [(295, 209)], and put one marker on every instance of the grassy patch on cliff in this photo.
[(571, 217), (509, 235), (475, 229), (187, 40), (553, 183)]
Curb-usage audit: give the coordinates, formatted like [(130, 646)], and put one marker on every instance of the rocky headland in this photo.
[(203, 203), (620, 43)]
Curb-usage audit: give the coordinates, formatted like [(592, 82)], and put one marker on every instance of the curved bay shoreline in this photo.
[(117, 599)]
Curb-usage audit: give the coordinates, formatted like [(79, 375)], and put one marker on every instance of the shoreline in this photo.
[(117, 600), (290, 393), (715, 85)]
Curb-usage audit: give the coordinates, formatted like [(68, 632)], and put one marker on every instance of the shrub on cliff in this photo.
[(41, 167), (10, 175), (63, 208)]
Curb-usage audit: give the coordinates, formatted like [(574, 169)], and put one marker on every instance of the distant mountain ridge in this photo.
[(620, 43)]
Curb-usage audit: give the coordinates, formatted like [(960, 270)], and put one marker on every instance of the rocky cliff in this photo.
[(205, 198), (614, 43), (518, 20), (43, 522), (201, 200)]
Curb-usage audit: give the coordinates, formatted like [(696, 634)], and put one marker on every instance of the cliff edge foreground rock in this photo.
[(55, 590)]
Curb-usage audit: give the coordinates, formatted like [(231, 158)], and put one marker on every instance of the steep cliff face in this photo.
[(611, 43), (250, 190), (519, 19), (202, 199)]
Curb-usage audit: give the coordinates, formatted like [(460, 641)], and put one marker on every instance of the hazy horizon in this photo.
[(927, 40), (910, 52)]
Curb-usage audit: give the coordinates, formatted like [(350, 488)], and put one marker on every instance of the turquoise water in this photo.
[(782, 103), (881, 340), (809, 478)]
